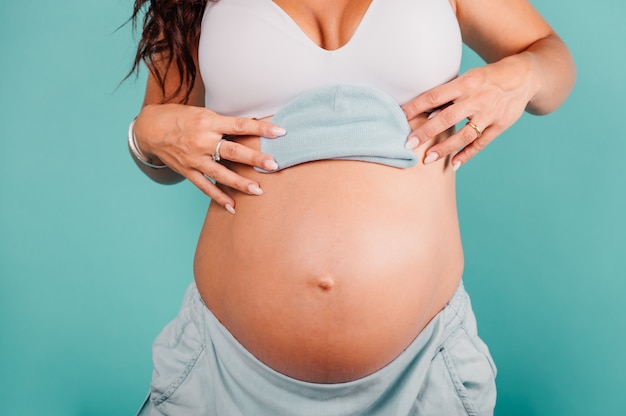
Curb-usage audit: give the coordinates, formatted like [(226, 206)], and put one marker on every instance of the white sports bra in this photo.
[(254, 58)]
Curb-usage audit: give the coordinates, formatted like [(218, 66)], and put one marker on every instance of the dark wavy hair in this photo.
[(170, 31)]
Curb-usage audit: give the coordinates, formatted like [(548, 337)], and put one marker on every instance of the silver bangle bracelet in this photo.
[(134, 148)]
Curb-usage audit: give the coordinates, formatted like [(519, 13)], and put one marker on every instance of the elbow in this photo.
[(559, 86)]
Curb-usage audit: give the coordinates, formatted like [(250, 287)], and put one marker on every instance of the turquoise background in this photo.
[(94, 258)]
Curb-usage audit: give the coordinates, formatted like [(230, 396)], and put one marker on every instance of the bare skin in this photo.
[(330, 269), (328, 280)]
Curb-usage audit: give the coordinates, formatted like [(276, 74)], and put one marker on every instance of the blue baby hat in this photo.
[(344, 122)]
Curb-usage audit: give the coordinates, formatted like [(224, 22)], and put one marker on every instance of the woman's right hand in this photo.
[(185, 138)]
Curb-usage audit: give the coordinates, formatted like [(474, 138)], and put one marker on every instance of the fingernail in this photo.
[(456, 165), (230, 208), (278, 131), (412, 143), (433, 114), (432, 156), (270, 165), (254, 189)]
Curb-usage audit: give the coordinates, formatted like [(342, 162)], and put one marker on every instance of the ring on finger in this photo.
[(477, 129), (216, 154)]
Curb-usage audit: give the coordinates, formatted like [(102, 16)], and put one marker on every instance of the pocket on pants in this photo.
[(176, 353), (471, 370)]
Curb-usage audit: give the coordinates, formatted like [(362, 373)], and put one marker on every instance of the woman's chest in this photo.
[(254, 57)]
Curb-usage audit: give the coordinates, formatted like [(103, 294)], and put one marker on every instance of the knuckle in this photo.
[(251, 158), (432, 97), (185, 161), (425, 132), (207, 190), (468, 135), (199, 113), (212, 170), (474, 80), (192, 142), (204, 120), (229, 151), (205, 186), (447, 148), (240, 125), (469, 152), (449, 117), (479, 145)]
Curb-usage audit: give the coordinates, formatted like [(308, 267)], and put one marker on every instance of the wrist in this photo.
[(519, 74), (532, 72), (146, 159)]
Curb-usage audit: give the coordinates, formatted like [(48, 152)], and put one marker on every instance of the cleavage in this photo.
[(329, 24)]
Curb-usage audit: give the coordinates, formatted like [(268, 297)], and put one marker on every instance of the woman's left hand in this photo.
[(491, 97)]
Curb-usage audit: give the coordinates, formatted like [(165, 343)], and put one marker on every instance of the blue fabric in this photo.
[(345, 122), (201, 369)]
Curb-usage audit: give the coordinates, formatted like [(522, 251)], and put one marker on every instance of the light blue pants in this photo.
[(201, 369)]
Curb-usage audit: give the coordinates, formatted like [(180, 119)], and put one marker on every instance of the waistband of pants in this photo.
[(246, 377)]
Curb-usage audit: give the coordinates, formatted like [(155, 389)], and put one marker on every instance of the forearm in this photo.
[(158, 118), (513, 37)]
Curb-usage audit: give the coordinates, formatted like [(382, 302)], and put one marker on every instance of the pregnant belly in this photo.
[(331, 273)]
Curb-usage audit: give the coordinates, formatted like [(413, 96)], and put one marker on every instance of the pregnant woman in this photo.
[(328, 270)]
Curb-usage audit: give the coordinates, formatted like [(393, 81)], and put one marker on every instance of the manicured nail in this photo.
[(278, 131), (456, 165), (433, 114), (412, 143), (254, 189), (270, 165), (230, 208), (432, 156)]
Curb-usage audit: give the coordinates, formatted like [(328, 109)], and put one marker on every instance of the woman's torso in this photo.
[(332, 272)]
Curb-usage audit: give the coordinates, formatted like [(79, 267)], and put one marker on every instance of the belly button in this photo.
[(325, 283)]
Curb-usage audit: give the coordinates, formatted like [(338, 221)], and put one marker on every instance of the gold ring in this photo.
[(478, 131)]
